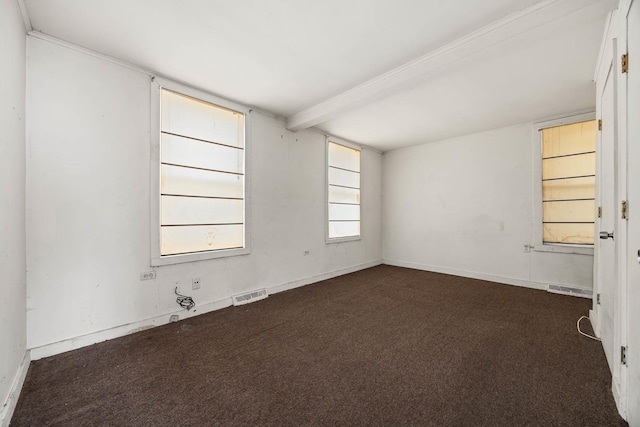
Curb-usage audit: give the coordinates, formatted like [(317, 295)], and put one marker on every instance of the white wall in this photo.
[(12, 198), (465, 206), (88, 204)]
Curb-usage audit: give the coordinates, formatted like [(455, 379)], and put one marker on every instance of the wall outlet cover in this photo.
[(148, 275)]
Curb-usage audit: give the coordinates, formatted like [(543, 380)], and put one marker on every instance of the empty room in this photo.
[(349, 212)]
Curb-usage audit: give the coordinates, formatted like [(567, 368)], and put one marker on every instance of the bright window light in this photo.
[(202, 182), (343, 191), (568, 183)]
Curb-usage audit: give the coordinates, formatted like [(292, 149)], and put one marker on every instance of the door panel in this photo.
[(606, 252)]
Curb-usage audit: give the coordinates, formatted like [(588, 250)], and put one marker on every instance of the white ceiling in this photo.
[(547, 72), (284, 56)]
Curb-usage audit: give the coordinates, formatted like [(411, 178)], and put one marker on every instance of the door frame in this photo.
[(614, 44), (631, 395), (620, 48)]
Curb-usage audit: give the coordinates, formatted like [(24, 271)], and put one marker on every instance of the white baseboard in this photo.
[(593, 318), (325, 276), (6, 412), (616, 387), (469, 274), (140, 325), (122, 330), (617, 397)]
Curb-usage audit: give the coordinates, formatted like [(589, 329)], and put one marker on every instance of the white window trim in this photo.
[(156, 259), (536, 134), (340, 141)]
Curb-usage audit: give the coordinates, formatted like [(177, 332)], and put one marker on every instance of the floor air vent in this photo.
[(250, 297), (567, 290)]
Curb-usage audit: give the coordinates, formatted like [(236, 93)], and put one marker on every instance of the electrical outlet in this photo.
[(174, 318), (195, 283), (306, 253), (149, 275), (527, 248)]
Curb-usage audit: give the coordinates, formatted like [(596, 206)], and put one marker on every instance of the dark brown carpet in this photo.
[(384, 346)]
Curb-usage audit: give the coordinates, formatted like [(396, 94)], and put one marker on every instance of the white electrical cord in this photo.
[(582, 333)]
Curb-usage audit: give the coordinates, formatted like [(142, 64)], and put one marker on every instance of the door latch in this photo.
[(604, 235)]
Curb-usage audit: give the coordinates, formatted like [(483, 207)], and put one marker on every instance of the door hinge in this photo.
[(598, 299), (599, 124), (625, 210), (599, 211), (625, 63), (623, 355)]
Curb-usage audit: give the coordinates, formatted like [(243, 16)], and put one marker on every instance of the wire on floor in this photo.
[(184, 301), (582, 333)]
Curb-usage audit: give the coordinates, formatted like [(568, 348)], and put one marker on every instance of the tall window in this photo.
[(202, 181), (344, 191), (568, 183)]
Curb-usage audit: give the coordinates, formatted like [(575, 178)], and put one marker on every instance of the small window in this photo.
[(201, 190), (568, 183), (343, 192)]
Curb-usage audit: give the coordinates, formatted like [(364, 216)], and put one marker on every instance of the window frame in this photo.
[(339, 141), (538, 244), (157, 259)]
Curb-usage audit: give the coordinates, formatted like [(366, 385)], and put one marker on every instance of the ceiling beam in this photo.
[(418, 69)]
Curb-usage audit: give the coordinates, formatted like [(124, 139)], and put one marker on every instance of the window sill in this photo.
[(343, 239), (564, 249), (200, 256)]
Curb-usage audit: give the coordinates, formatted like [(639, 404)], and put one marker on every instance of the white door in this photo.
[(605, 227), (633, 193)]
